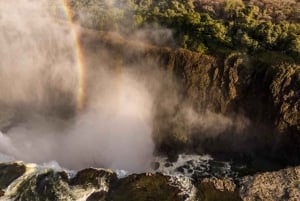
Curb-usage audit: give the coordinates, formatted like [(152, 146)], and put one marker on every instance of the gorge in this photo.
[(89, 114)]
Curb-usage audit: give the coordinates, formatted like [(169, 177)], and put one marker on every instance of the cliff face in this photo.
[(239, 86), (262, 93)]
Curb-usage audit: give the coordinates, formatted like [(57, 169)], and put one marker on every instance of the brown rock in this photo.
[(280, 185), (93, 177), (221, 184), (97, 196)]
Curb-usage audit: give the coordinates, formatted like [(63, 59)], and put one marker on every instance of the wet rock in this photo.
[(50, 185), (97, 196), (138, 187), (190, 170), (102, 185), (9, 172), (180, 169), (50, 181), (280, 185), (93, 177), (1, 193)]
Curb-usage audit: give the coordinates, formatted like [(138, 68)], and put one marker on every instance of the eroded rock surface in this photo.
[(103, 185), (281, 185)]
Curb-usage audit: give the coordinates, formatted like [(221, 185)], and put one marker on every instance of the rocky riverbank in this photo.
[(19, 181)]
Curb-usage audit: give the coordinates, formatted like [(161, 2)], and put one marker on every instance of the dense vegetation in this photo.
[(219, 26)]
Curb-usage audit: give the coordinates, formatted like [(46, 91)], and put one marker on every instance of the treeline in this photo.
[(219, 26), (269, 10)]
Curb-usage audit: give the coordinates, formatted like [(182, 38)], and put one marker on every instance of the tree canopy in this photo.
[(225, 26)]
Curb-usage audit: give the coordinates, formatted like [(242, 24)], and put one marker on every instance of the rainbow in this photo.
[(81, 96)]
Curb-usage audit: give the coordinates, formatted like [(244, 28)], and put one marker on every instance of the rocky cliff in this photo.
[(260, 94)]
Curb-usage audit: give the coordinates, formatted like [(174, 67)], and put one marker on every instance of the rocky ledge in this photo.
[(280, 185), (19, 181)]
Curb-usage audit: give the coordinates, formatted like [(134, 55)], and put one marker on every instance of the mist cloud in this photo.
[(39, 81), (113, 134), (211, 124), (39, 75)]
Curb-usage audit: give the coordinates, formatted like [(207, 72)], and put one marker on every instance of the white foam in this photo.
[(12, 189), (121, 173), (52, 165), (172, 168), (185, 185)]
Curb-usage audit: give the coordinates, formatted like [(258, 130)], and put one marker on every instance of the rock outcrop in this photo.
[(10, 172), (103, 185), (30, 182), (217, 189), (145, 187), (281, 185)]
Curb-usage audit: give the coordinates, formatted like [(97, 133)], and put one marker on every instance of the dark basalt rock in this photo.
[(180, 169), (47, 181), (92, 177), (9, 172), (97, 196), (151, 187), (50, 185)]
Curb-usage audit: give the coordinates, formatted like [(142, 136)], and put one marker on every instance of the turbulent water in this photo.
[(20, 181), (187, 165), (194, 166), (181, 175)]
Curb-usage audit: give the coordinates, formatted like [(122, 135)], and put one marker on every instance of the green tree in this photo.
[(231, 8)]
